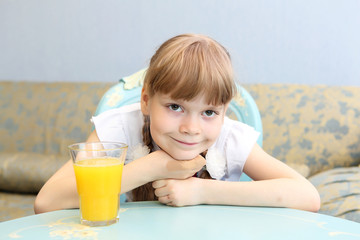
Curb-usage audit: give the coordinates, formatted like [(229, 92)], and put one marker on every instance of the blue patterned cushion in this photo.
[(46, 117), (314, 125), (339, 190)]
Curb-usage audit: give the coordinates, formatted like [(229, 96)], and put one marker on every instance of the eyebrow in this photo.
[(167, 98)]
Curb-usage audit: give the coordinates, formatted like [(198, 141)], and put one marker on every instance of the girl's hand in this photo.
[(167, 167), (178, 193), (158, 165)]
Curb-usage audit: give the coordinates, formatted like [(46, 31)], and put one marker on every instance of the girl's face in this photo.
[(183, 129)]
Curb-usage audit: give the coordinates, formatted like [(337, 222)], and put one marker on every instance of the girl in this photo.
[(181, 124)]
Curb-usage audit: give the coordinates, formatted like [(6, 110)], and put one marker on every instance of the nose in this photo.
[(190, 125)]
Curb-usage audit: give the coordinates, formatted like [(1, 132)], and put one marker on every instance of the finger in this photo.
[(159, 183), (174, 203), (165, 200), (161, 192), (196, 164)]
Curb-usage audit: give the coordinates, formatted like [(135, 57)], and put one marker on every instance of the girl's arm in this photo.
[(60, 192), (275, 184)]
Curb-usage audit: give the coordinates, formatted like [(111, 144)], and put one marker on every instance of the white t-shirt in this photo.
[(225, 159)]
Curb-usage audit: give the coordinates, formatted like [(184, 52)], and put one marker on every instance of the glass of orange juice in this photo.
[(98, 170)]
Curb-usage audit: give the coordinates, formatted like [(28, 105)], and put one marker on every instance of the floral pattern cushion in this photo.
[(339, 190), (318, 126), (46, 117)]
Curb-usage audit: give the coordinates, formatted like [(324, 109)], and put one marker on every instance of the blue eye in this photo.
[(175, 107)]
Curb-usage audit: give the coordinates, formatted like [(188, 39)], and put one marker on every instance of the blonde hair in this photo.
[(185, 67), (196, 63)]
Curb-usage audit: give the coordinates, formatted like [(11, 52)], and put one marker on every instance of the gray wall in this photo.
[(271, 41)]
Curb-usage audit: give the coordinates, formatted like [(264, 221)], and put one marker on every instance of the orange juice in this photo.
[(98, 183)]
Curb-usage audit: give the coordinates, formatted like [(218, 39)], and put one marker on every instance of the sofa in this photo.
[(314, 129)]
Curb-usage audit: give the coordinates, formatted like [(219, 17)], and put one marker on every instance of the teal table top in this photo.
[(152, 220)]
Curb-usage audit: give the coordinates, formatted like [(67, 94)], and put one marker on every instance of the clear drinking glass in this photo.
[(98, 170)]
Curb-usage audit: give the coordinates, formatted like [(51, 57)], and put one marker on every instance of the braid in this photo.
[(205, 174), (146, 191), (147, 139)]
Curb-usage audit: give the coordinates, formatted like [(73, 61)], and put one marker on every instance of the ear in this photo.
[(145, 101)]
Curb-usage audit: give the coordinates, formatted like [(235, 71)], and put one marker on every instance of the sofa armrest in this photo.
[(27, 172)]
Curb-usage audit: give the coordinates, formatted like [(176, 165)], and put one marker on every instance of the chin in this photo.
[(182, 157)]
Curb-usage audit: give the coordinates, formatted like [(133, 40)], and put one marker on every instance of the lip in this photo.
[(186, 143)]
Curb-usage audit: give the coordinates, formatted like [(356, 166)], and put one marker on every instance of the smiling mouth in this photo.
[(185, 143)]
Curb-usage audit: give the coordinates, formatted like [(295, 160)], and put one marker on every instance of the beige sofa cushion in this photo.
[(318, 126), (13, 205), (339, 190), (46, 117), (27, 172)]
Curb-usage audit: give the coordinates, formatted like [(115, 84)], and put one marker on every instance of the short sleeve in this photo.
[(238, 143), (120, 125)]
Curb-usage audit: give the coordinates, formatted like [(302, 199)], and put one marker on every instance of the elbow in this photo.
[(307, 200), (44, 202), (38, 207), (51, 201), (314, 202), (41, 204)]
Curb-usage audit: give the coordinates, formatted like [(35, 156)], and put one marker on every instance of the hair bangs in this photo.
[(191, 84)]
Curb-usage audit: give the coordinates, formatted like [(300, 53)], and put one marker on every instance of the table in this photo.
[(152, 220)]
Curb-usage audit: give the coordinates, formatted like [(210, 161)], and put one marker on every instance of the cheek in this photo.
[(214, 129), (159, 123)]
